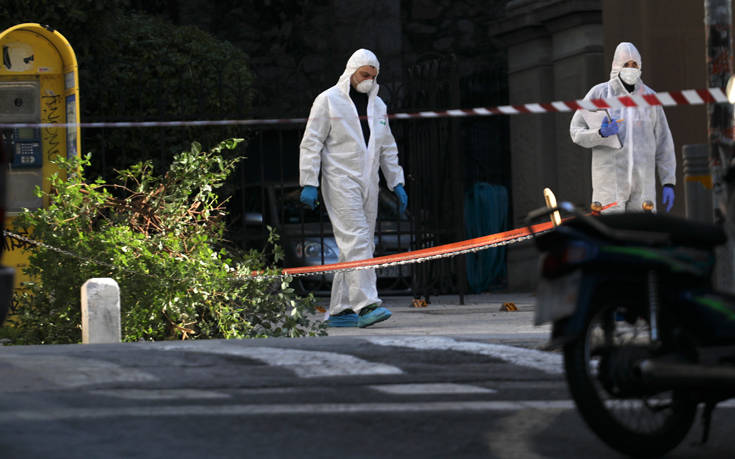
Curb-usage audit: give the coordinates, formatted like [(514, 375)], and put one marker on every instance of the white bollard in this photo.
[(100, 311)]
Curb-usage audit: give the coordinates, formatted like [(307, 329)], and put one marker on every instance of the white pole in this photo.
[(100, 311)]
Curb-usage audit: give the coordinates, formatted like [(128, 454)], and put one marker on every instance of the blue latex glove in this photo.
[(667, 199), (608, 127), (402, 198), (309, 196)]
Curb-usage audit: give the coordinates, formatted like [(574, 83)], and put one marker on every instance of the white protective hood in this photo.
[(358, 59), (623, 53)]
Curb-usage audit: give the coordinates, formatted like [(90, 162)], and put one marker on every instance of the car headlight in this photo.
[(313, 249)]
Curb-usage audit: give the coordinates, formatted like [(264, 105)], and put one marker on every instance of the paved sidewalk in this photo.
[(480, 315)]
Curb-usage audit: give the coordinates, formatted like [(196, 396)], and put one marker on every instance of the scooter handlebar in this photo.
[(546, 211), (650, 237)]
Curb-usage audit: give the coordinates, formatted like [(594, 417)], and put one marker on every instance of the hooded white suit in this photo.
[(333, 140), (627, 175)]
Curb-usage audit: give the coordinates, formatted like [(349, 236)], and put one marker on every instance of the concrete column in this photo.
[(554, 53), (100, 311), (577, 62), (532, 144), (532, 137)]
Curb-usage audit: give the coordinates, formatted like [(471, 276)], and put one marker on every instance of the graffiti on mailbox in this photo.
[(51, 106)]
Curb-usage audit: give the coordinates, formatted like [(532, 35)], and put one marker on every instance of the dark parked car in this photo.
[(307, 238)]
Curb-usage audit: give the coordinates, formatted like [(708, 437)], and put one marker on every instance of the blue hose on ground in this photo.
[(486, 212)]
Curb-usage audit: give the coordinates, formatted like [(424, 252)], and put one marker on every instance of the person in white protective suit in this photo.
[(626, 175), (347, 136)]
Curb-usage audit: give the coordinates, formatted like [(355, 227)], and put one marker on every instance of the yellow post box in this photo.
[(39, 87)]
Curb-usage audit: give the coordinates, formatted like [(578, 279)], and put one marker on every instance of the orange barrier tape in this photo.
[(461, 246), (428, 252)]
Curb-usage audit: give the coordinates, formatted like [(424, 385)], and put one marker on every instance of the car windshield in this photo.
[(292, 211)]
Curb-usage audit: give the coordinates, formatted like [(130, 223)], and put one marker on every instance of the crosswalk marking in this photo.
[(306, 364), (69, 372), (62, 414), (547, 362), (431, 388), (161, 394)]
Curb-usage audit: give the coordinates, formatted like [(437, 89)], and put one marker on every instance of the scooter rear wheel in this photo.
[(625, 416)]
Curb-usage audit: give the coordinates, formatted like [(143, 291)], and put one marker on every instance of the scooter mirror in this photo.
[(551, 203), (730, 89), (567, 206)]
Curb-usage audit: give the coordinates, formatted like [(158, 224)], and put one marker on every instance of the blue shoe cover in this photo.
[(378, 314), (344, 320)]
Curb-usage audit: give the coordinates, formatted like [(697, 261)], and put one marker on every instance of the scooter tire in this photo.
[(602, 421)]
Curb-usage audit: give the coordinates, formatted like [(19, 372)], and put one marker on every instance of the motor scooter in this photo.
[(645, 337)]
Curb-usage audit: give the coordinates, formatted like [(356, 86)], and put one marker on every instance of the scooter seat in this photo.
[(682, 232)]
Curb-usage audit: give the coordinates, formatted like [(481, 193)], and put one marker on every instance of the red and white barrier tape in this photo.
[(686, 97), (667, 99)]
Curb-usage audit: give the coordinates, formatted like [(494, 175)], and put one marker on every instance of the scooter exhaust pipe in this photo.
[(687, 375)]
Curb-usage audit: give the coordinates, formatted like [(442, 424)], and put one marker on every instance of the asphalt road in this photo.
[(363, 394)]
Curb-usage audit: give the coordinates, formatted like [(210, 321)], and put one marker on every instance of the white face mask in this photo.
[(630, 75), (365, 86)]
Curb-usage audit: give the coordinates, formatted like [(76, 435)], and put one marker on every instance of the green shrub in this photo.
[(152, 70), (161, 239)]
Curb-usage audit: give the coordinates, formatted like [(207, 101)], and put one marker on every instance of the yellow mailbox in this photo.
[(39, 85)]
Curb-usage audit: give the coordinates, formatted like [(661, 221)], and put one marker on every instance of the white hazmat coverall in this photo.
[(333, 139), (627, 175)]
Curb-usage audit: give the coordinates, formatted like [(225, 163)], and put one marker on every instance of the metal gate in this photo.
[(442, 157), (434, 166)]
